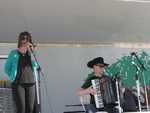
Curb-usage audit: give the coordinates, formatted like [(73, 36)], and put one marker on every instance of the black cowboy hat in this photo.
[(98, 61)]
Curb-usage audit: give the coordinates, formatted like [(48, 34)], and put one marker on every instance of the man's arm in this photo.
[(83, 91)]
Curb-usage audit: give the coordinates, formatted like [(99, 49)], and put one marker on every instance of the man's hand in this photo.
[(90, 90)]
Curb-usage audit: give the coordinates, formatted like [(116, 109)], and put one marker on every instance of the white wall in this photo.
[(65, 69)]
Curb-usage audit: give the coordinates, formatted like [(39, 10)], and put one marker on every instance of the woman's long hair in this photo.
[(24, 36)]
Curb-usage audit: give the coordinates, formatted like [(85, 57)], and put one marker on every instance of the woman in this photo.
[(20, 69)]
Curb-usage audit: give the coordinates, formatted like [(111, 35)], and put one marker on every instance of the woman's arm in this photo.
[(8, 64)]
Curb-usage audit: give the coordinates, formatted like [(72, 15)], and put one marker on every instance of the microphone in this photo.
[(133, 54), (31, 47), (136, 56)]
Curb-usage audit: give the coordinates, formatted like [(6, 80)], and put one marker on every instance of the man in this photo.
[(97, 64)]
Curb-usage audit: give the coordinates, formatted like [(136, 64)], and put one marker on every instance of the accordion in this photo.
[(105, 91)]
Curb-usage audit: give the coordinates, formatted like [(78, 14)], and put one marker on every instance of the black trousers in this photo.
[(25, 98), (90, 108)]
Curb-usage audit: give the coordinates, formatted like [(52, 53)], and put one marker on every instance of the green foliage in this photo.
[(128, 67)]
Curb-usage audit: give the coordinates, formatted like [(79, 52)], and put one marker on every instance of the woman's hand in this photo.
[(31, 46), (23, 50)]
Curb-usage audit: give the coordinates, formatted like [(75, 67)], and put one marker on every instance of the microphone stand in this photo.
[(138, 82), (138, 91), (37, 71), (118, 94)]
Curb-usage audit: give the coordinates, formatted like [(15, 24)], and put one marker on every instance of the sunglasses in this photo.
[(100, 65)]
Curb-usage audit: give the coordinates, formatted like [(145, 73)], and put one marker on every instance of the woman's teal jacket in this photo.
[(11, 65)]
